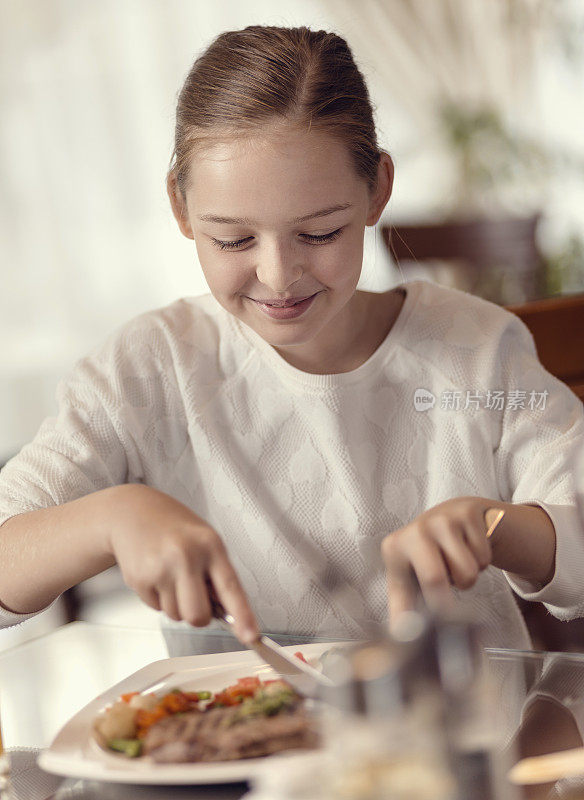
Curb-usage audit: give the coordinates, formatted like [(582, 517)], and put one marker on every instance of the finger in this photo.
[(230, 593), (459, 557), (402, 588), (150, 597), (168, 602), (432, 573), (193, 599), (475, 533)]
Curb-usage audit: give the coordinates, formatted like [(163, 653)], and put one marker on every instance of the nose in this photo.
[(278, 267)]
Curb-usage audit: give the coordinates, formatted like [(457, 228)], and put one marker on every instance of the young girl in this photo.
[(268, 442)]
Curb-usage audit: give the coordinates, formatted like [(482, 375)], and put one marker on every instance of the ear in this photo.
[(382, 192), (178, 205)]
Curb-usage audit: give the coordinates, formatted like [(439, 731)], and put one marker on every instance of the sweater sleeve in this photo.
[(83, 449), (74, 453), (542, 431)]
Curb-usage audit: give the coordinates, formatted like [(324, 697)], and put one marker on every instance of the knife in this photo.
[(307, 680)]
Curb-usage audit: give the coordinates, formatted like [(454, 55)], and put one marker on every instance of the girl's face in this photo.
[(278, 223)]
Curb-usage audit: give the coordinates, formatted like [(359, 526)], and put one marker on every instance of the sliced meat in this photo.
[(221, 735), (265, 735)]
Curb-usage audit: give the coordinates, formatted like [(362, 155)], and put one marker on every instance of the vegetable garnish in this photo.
[(174, 702), (129, 747), (124, 726)]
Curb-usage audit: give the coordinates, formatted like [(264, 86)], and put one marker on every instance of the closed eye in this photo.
[(324, 238), (308, 238), (234, 245)]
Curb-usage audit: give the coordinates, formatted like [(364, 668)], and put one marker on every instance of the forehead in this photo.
[(281, 173)]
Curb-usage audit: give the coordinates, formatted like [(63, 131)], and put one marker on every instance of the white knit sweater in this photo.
[(300, 473)]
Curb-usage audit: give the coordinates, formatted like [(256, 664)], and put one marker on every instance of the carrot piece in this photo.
[(253, 682), (226, 698), (145, 720), (128, 696), (175, 702)]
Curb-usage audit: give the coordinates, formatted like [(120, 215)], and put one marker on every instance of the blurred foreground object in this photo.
[(549, 767), (414, 716), (383, 739)]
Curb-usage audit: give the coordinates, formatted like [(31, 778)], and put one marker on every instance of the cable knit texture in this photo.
[(303, 475)]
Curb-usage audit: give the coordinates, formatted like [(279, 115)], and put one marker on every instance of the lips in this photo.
[(285, 308), (285, 303)]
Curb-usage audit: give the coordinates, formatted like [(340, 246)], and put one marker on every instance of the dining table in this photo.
[(46, 682)]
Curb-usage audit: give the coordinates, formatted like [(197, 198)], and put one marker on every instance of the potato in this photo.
[(117, 722), (147, 702)]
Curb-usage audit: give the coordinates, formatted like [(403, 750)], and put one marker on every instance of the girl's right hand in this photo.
[(168, 556)]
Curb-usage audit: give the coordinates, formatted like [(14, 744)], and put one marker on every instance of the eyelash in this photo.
[(236, 245)]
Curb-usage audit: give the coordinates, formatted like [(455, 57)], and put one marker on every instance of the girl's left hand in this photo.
[(444, 547)]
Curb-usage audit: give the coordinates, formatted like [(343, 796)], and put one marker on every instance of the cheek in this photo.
[(224, 272), (341, 264)]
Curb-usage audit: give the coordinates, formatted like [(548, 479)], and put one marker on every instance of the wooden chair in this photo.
[(557, 325), (494, 258)]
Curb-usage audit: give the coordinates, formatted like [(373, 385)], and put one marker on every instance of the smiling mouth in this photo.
[(290, 301)]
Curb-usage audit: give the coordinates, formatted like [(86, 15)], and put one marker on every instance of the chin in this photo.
[(282, 336), (280, 332)]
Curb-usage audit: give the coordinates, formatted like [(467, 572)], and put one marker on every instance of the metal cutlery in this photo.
[(548, 767), (307, 680)]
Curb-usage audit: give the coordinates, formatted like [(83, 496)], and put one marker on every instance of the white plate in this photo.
[(75, 753)]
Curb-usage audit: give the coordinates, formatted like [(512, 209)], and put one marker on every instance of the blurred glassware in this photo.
[(382, 737), (417, 715)]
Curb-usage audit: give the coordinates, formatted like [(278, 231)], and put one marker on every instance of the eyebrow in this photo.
[(323, 212)]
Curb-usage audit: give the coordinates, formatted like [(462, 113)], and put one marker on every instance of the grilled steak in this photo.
[(223, 734)]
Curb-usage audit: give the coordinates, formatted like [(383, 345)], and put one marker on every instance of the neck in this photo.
[(359, 329)]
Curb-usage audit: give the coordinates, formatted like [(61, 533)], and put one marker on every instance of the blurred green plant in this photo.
[(471, 75), (497, 168), (564, 268), (489, 157)]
